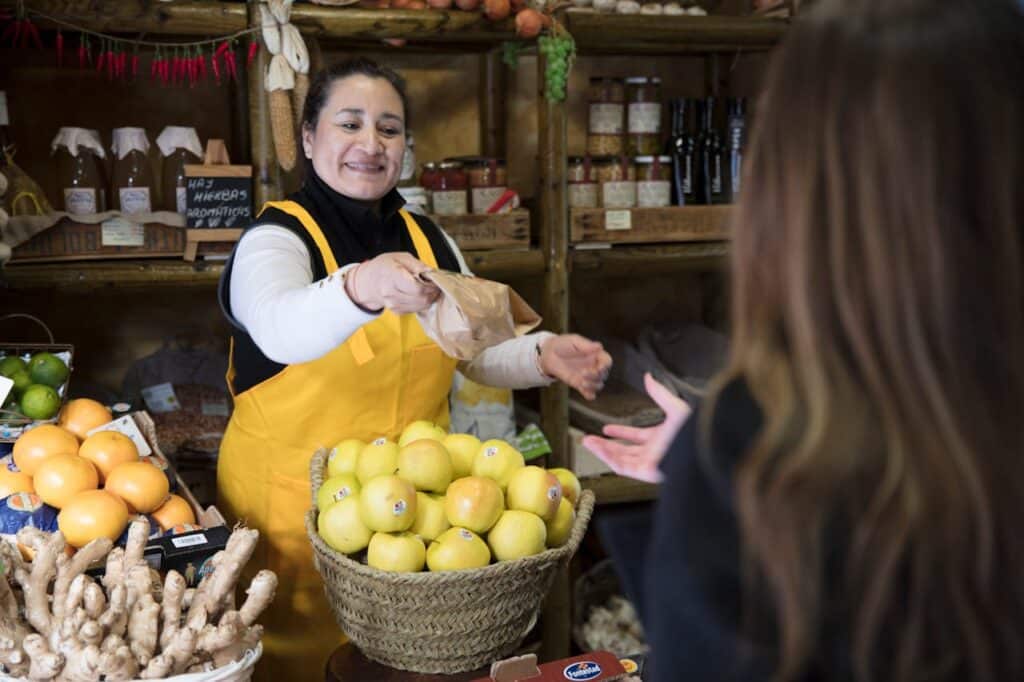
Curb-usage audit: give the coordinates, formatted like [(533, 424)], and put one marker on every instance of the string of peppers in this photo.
[(176, 64)]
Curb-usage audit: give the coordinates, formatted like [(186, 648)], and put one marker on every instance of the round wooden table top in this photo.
[(347, 664)]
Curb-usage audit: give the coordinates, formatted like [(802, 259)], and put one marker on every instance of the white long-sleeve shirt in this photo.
[(293, 319)]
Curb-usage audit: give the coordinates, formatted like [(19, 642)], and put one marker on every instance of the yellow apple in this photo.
[(343, 457), (421, 429), (426, 464), (457, 549), (341, 528), (570, 484), (535, 490), (431, 520), (463, 448), (474, 502), (387, 504), (497, 460), (517, 534), (560, 527), (379, 458), (336, 489), (399, 552)]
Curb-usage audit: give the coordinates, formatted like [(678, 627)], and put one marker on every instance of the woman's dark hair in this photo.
[(878, 318), (320, 88)]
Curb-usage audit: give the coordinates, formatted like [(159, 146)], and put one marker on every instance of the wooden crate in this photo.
[(480, 231), (68, 240), (647, 225)]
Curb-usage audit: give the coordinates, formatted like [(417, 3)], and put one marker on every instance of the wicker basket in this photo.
[(447, 622)]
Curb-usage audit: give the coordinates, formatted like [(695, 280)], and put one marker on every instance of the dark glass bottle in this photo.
[(710, 169), (682, 148), (736, 142)]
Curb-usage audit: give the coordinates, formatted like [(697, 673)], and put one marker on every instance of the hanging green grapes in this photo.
[(559, 50)]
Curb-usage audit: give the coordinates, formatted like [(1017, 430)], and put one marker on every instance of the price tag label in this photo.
[(121, 232), (217, 408), (128, 427), (189, 540), (5, 388), (161, 398), (618, 220)]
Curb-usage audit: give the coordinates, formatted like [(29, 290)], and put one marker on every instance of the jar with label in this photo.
[(179, 145), (449, 194), (582, 182), (653, 180), (643, 116), (617, 178), (81, 186), (132, 182), (488, 182), (606, 116)]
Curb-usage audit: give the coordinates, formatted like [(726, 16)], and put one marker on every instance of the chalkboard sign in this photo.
[(218, 196)]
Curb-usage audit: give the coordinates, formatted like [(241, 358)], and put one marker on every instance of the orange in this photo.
[(108, 449), (174, 512), (41, 442), (82, 415), (60, 477), (140, 484), (92, 514), (14, 482)]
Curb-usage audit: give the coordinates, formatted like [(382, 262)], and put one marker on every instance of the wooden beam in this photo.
[(622, 261), (684, 33), (183, 17), (266, 178), (441, 26), (492, 104)]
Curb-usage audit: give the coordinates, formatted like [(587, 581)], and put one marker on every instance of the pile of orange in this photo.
[(66, 468)]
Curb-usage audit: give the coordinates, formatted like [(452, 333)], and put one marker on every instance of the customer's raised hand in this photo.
[(576, 361), (391, 281), (641, 452)]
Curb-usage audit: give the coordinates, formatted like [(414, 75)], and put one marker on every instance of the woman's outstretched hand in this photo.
[(391, 281), (638, 457), (577, 361)]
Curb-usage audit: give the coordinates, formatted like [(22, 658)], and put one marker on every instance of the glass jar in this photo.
[(488, 182), (617, 178), (449, 189), (427, 175), (179, 146), (653, 180), (81, 186), (606, 116), (643, 117), (582, 178), (132, 178)]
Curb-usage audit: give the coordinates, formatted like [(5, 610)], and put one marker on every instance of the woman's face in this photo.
[(359, 140)]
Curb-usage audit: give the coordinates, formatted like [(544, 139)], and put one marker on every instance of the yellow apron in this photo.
[(386, 375)]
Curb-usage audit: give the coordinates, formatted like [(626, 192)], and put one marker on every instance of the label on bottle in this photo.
[(450, 202), (484, 197), (583, 195), (716, 176), (121, 232), (606, 119), (688, 174), (80, 200), (650, 193), (4, 119), (619, 194), (134, 199), (180, 194), (644, 117), (735, 173)]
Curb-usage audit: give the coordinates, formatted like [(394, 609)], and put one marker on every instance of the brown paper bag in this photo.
[(472, 314)]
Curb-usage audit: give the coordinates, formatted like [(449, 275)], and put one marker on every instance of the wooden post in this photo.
[(492, 104), (554, 405), (266, 181)]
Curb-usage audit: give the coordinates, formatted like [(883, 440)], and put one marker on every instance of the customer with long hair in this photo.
[(844, 504)]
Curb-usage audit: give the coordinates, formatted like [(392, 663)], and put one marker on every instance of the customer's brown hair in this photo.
[(878, 318)]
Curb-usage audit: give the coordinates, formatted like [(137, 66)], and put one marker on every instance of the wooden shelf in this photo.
[(612, 489), (156, 273), (649, 259), (649, 225), (596, 32)]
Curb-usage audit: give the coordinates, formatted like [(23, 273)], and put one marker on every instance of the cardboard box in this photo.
[(596, 666)]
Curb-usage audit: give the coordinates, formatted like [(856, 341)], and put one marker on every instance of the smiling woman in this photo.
[(321, 293)]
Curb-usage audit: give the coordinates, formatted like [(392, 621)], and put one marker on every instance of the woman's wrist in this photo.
[(349, 285)]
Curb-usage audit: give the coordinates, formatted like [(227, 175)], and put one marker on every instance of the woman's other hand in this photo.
[(638, 457), (576, 361), (391, 280)]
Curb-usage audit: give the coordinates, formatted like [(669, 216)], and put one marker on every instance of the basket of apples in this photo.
[(437, 550)]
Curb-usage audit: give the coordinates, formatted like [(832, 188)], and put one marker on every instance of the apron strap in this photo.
[(302, 215), (419, 240)]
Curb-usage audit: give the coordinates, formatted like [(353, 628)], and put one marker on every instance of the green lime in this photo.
[(21, 380), (40, 402), (47, 368), (11, 364)]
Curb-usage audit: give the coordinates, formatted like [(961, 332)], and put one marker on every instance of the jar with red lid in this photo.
[(449, 187)]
